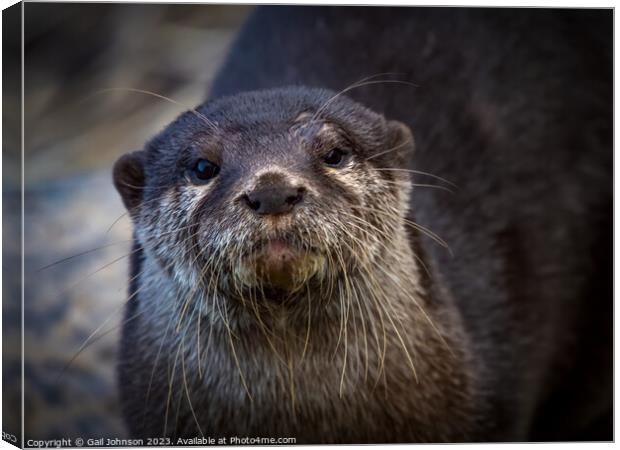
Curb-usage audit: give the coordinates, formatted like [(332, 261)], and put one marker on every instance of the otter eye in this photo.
[(334, 158), (204, 170)]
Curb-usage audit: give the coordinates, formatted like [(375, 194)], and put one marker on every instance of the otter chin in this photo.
[(282, 265)]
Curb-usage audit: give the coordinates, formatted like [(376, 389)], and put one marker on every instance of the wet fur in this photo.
[(511, 109)]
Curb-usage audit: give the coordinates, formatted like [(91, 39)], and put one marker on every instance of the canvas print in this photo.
[(246, 224)]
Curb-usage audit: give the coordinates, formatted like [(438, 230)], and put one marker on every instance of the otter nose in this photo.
[(274, 200)]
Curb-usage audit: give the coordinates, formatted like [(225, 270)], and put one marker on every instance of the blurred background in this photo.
[(76, 236)]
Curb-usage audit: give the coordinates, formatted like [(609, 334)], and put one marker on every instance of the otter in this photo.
[(421, 257)]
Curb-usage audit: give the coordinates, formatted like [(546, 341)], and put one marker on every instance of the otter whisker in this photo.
[(150, 187), (225, 320), (170, 383), (417, 172), (430, 234), (224, 317), (341, 327), (357, 85), (199, 319), (422, 185), (189, 298), (353, 317), (373, 290), (92, 274), (406, 293), (192, 291), (355, 251), (369, 273), (236, 358), (167, 267), (195, 287), (148, 391), (308, 299), (426, 316), (401, 340), (95, 249), (291, 375), (212, 294), (413, 224), (364, 331), (208, 266), (266, 332), (92, 338), (210, 123), (189, 400), (344, 318), (85, 252), (130, 210), (178, 393), (389, 150), (159, 350)]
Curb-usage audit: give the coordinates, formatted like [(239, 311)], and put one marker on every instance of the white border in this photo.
[(481, 3)]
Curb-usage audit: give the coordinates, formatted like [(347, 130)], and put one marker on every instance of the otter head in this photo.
[(274, 192)]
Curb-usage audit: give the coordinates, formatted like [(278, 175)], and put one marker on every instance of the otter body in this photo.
[(295, 274)]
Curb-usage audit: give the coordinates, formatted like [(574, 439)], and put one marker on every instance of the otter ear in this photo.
[(129, 179), (401, 140)]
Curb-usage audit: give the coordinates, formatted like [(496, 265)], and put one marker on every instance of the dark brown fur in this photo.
[(492, 340)]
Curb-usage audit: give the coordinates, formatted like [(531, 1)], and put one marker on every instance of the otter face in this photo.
[(273, 192)]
